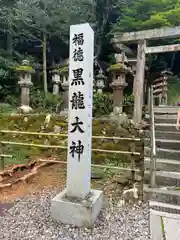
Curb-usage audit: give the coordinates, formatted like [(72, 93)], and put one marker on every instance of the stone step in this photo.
[(165, 143), (162, 194), (166, 120), (163, 164), (168, 135), (165, 110), (171, 119), (164, 178), (166, 127), (168, 144), (164, 153), (163, 116), (165, 135)]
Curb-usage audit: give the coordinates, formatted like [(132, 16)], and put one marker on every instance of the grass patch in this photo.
[(6, 108), (36, 123), (163, 228), (20, 155)]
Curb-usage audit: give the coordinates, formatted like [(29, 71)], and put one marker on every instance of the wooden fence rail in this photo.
[(65, 147), (65, 135), (3, 143), (132, 152), (95, 165)]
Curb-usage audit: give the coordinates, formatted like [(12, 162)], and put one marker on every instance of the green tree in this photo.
[(42, 19), (149, 14), (106, 13), (8, 24)]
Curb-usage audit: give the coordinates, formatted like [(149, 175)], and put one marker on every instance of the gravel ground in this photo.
[(30, 219)]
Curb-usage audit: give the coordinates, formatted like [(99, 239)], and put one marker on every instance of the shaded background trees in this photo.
[(149, 14)]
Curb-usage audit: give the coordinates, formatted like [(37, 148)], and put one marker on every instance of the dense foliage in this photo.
[(39, 30), (149, 14), (102, 104)]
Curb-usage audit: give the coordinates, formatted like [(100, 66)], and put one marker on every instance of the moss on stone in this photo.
[(97, 173), (118, 66), (98, 158), (36, 123), (61, 70), (25, 69)]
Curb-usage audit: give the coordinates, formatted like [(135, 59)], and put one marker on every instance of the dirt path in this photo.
[(53, 176), (50, 176)]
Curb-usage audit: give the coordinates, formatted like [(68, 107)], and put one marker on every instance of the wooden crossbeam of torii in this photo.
[(141, 37)]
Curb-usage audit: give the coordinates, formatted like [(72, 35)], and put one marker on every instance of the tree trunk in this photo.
[(44, 45), (9, 44)]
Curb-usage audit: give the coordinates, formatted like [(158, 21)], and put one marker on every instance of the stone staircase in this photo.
[(168, 156)]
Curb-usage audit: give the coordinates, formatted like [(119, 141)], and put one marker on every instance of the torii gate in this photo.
[(141, 37)]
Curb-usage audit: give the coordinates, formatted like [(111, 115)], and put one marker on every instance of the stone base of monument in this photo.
[(77, 212), (25, 109)]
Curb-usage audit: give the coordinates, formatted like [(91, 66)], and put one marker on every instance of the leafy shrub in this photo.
[(45, 103), (102, 104), (6, 108), (12, 100), (128, 105), (128, 99), (8, 79), (53, 103)]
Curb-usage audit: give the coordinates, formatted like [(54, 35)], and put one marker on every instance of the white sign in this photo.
[(80, 110)]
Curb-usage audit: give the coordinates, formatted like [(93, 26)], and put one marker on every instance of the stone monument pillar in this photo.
[(56, 82), (78, 204), (119, 71), (100, 81), (25, 71)]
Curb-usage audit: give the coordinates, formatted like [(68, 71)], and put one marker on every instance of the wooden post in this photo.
[(153, 145), (139, 82), (1, 157), (133, 164), (2, 163), (149, 100), (142, 169), (44, 47)]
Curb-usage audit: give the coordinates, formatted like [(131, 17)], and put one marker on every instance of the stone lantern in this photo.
[(160, 88), (100, 81), (25, 71), (164, 87), (56, 81), (119, 71), (64, 77)]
